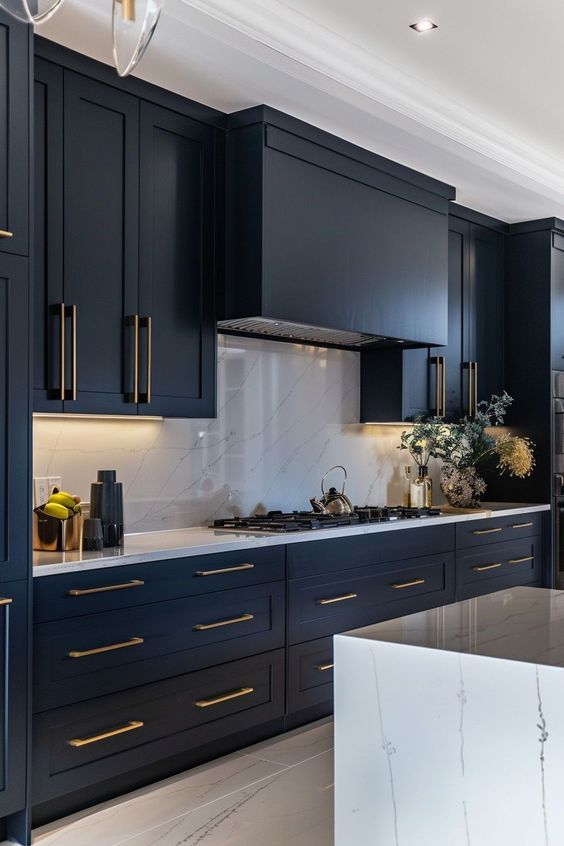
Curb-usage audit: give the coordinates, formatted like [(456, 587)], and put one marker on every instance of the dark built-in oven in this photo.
[(558, 471)]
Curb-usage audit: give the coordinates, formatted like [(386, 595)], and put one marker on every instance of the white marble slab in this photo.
[(183, 543), (449, 727)]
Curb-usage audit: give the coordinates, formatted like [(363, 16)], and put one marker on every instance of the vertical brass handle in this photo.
[(73, 316), (5, 234), (440, 385), (472, 388), (475, 388), (62, 316), (147, 323), (134, 321)]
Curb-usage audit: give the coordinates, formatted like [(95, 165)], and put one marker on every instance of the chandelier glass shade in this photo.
[(133, 25), (31, 11)]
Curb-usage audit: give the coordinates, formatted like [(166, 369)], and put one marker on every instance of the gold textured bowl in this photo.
[(53, 535)]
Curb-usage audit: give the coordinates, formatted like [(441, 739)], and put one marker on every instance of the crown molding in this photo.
[(291, 37)]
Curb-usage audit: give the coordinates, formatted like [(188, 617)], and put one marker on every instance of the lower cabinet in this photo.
[(309, 674)]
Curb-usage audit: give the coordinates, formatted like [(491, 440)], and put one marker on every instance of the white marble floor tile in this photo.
[(292, 808), (127, 816), (296, 746)]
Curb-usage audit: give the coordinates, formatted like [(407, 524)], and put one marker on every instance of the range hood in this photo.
[(329, 244)]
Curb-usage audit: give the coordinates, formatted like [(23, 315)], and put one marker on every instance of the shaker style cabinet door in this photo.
[(100, 254), (177, 358), (485, 314), (15, 45), (15, 510)]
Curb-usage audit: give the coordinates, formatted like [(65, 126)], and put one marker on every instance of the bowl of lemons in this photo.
[(57, 524)]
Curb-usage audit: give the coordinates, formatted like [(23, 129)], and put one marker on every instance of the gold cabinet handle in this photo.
[(472, 367), (221, 570), (522, 525), (62, 341), (486, 531), (133, 641), (6, 601), (77, 742), (413, 583), (147, 323), (334, 599), (204, 627), (521, 560), (73, 316), (105, 588), (134, 321), (5, 234), (440, 384), (225, 697), (479, 568), (323, 667)]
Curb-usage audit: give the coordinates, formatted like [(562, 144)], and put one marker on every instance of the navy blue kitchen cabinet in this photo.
[(15, 51), (323, 234), (449, 381), (127, 212)]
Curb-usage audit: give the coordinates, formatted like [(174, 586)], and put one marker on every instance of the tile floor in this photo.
[(279, 793)]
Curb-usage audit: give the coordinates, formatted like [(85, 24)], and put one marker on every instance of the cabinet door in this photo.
[(15, 40), (445, 363), (483, 313), (176, 266), (13, 696), (14, 418), (101, 203), (48, 241)]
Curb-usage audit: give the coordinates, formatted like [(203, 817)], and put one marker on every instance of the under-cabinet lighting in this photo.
[(425, 25), (128, 417)]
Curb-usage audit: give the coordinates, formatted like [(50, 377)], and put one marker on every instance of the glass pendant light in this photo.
[(31, 11), (134, 23)]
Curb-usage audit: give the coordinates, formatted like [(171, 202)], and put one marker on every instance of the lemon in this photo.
[(54, 509)]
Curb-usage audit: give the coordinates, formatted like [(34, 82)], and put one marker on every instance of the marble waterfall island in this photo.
[(449, 725)]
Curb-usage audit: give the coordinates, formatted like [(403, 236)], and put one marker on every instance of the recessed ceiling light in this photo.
[(424, 25)]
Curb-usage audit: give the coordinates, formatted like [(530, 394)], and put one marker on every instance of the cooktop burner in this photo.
[(299, 521)]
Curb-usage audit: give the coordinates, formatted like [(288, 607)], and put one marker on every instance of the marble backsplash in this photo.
[(286, 413)]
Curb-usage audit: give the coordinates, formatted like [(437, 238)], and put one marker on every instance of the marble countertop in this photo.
[(184, 543), (516, 624)]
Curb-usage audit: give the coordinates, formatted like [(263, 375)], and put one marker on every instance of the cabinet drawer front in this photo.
[(338, 554), (508, 564), (97, 654), (494, 530), (84, 744), (310, 674), (318, 607), (89, 592)]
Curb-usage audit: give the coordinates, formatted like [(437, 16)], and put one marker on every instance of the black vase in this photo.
[(106, 502)]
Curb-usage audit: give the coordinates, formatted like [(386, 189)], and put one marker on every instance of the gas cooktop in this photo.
[(299, 521)]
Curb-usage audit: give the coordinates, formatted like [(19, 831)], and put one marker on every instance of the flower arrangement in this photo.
[(464, 446)]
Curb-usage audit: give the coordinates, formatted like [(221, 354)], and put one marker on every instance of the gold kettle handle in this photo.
[(336, 467)]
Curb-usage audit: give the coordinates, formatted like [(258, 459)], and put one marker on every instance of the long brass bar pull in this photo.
[(105, 588), (72, 313), (522, 525), (486, 531), (63, 342), (444, 385), (221, 570), (475, 372), (472, 386), (147, 323), (521, 560), (334, 599), (77, 742), (134, 321), (225, 697), (324, 667), (402, 585), (440, 385), (5, 234), (133, 641), (204, 627), (480, 568), (6, 601)]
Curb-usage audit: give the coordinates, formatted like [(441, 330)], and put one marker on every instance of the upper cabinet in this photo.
[(322, 235), (450, 380), (15, 65), (126, 216)]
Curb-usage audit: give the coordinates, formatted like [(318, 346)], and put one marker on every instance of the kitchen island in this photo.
[(449, 726)]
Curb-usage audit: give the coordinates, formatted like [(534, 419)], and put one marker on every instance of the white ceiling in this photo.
[(476, 102)]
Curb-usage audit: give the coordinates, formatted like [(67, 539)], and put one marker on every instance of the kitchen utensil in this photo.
[(334, 501), (53, 535), (106, 503), (92, 535)]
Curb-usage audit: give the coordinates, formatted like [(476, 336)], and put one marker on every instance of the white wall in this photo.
[(286, 413)]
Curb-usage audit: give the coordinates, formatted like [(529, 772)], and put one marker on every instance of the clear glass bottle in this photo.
[(406, 499), (421, 489)]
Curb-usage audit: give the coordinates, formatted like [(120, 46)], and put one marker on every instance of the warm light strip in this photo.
[(64, 416)]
